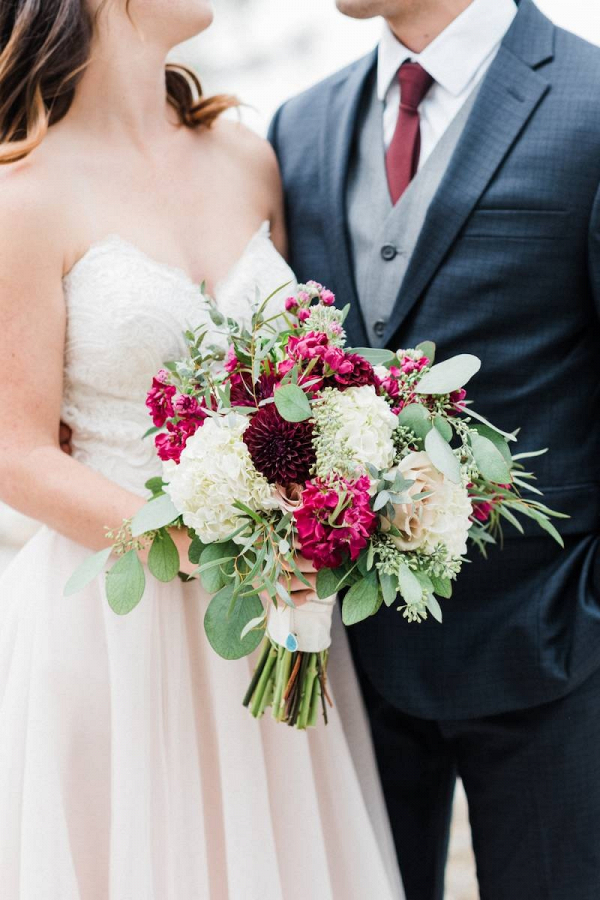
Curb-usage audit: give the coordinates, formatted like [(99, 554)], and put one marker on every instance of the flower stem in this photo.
[(264, 652), (257, 707)]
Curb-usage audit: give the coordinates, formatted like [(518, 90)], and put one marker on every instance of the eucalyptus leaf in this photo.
[(156, 486), (417, 419), (292, 403), (450, 375), (441, 456), (212, 561), (428, 349), (163, 559), (155, 514), (444, 427), (489, 460), (497, 440), (389, 588), (196, 550), (252, 624), (329, 581), (362, 600), (374, 356), (434, 607), (410, 586), (125, 583), (442, 586), (224, 625), (90, 568)]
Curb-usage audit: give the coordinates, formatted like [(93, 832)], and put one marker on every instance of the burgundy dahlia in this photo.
[(243, 393), (281, 451)]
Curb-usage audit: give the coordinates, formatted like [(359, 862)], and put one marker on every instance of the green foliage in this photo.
[(442, 457), (125, 583), (226, 620), (450, 375), (155, 514), (389, 588), (89, 569), (374, 356), (489, 459), (410, 586), (362, 600), (292, 403), (417, 419), (212, 565), (163, 559), (428, 349)]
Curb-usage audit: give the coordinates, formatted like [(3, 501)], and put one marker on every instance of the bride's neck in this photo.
[(123, 92)]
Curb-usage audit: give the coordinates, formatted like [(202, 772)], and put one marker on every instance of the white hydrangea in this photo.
[(354, 428), (214, 472)]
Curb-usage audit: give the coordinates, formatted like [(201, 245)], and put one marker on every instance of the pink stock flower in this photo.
[(160, 399), (303, 315), (482, 511), (350, 369), (457, 399), (291, 304), (307, 347), (327, 297), (171, 444), (328, 543), (231, 360), (410, 365)]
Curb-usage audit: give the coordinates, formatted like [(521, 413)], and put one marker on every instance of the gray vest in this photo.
[(383, 237)]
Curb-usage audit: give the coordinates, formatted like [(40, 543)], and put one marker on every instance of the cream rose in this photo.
[(441, 518)]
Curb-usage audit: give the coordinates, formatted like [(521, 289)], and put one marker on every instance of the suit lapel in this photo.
[(337, 137), (510, 93)]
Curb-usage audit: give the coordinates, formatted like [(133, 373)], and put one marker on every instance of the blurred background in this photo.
[(265, 51)]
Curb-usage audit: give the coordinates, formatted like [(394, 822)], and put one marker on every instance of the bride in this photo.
[(127, 771)]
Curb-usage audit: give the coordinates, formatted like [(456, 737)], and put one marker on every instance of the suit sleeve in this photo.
[(594, 251), (273, 133)]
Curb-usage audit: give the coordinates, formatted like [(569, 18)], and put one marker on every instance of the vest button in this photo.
[(388, 252), (379, 328)]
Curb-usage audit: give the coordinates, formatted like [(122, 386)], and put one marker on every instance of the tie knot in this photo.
[(414, 84)]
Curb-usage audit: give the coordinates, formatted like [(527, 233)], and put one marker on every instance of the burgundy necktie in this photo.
[(402, 158)]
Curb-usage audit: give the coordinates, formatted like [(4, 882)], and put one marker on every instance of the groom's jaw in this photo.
[(415, 22)]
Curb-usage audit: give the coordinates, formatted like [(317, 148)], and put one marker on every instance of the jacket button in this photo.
[(388, 252), (379, 328)]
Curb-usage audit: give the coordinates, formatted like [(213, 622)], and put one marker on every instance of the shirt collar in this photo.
[(455, 57)]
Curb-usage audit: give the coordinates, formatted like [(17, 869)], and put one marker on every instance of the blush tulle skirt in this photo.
[(130, 771)]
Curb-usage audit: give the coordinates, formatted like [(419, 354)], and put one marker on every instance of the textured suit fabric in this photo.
[(533, 785), (372, 221), (507, 266)]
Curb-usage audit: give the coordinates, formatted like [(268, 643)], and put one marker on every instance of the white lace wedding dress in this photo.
[(128, 768)]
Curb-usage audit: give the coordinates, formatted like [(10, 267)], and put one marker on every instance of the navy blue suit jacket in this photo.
[(507, 267)]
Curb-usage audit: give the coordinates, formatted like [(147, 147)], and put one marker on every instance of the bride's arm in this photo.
[(36, 477)]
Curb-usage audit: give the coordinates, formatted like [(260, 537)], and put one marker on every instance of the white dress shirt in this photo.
[(457, 60)]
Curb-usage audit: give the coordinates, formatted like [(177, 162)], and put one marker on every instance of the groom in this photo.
[(448, 186)]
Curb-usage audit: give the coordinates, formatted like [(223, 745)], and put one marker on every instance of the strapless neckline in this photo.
[(116, 241)]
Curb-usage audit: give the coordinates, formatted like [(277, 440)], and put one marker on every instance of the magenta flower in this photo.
[(347, 369), (160, 399), (329, 543), (291, 304), (231, 360), (307, 347), (171, 444), (304, 315), (457, 399), (410, 365), (327, 297)]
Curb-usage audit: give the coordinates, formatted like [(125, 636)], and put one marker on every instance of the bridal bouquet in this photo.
[(276, 439)]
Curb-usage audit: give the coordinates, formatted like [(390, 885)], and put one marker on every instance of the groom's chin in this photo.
[(358, 9)]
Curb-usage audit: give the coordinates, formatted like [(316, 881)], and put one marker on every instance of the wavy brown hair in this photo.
[(45, 46)]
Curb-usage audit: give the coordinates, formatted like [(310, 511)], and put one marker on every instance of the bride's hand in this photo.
[(298, 591)]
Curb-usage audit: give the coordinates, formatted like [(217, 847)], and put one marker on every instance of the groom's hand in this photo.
[(64, 438)]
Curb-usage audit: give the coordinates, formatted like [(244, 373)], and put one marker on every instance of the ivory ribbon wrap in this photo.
[(309, 624)]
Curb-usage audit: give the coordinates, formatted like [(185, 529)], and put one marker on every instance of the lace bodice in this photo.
[(126, 314)]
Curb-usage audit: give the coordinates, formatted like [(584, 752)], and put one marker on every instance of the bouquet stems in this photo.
[(293, 684)]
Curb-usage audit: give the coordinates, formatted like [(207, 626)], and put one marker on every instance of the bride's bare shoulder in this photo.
[(245, 148), (32, 211)]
